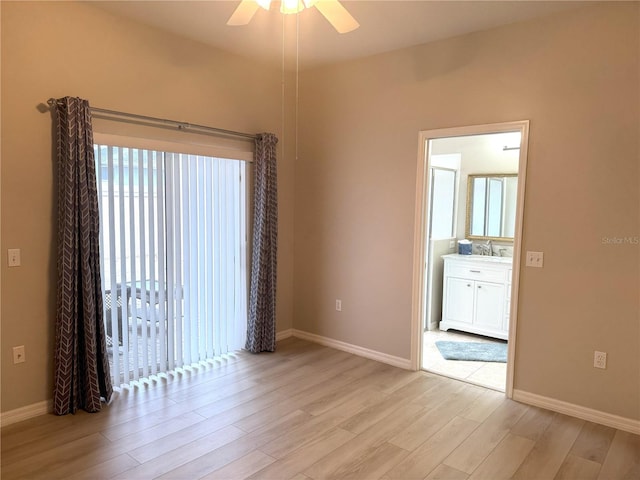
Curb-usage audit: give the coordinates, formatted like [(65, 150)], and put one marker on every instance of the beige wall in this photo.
[(575, 76), (58, 49)]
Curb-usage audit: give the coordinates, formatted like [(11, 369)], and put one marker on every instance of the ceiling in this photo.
[(384, 25)]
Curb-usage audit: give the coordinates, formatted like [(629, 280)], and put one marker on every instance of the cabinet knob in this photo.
[(479, 286), (468, 284)]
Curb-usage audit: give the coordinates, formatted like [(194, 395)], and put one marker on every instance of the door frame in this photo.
[(418, 304)]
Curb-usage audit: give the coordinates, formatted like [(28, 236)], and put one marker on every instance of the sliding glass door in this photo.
[(173, 247)]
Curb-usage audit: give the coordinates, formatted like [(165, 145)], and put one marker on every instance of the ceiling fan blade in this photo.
[(337, 15), (244, 13)]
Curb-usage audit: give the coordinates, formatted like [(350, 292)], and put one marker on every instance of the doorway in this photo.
[(469, 197)]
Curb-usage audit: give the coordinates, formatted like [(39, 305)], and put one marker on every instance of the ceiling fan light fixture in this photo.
[(332, 10), (291, 6)]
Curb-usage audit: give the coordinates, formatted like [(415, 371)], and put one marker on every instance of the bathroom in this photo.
[(471, 228)]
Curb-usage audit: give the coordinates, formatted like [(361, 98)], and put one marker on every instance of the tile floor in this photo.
[(487, 374)]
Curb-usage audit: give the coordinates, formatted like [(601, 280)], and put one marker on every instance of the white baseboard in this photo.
[(284, 334), (595, 416), (355, 349), (24, 413)]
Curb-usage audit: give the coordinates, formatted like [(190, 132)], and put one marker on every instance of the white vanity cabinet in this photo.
[(476, 292)]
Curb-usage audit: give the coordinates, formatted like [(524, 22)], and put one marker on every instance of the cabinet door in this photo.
[(489, 305), (459, 300)]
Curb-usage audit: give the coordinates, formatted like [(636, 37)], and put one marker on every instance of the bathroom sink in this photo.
[(486, 258)]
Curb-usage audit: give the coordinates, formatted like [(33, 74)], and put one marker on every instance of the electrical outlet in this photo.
[(13, 256), (599, 359), (18, 354), (339, 305), (535, 259)]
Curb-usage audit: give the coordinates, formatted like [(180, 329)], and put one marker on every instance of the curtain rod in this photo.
[(174, 123)]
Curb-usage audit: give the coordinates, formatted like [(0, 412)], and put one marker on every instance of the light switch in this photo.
[(14, 257)]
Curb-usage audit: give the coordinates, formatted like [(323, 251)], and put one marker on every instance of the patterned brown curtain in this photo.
[(82, 374), (261, 328)]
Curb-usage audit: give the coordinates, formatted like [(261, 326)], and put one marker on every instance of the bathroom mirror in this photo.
[(491, 206)]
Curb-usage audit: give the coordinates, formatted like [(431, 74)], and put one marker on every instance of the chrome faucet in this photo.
[(486, 249)]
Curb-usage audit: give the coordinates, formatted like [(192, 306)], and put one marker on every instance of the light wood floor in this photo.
[(308, 411)]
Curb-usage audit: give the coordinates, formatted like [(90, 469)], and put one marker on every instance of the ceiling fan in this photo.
[(332, 10)]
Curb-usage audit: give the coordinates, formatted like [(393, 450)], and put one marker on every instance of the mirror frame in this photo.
[(467, 229)]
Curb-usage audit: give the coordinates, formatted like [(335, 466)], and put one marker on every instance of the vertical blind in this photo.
[(173, 247)]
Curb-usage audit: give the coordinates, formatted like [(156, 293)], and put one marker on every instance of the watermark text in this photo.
[(629, 240)]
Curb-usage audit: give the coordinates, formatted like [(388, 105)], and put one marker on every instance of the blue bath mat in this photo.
[(473, 351)]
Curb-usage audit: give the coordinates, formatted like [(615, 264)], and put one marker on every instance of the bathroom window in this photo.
[(443, 195)]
